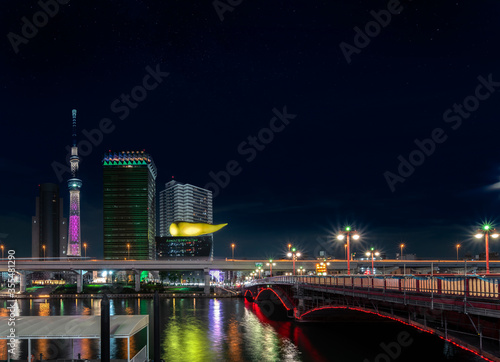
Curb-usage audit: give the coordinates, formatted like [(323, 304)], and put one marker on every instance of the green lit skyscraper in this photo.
[(129, 205)]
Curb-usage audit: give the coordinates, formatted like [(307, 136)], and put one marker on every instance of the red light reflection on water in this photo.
[(288, 330)]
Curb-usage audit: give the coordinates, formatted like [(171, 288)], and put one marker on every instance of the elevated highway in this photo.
[(282, 265)]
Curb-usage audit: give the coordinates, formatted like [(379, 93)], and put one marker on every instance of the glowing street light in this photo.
[(402, 246), (289, 246), (1, 246), (85, 247), (301, 270), (43, 247), (347, 232), (294, 254), (486, 230), (270, 264), (373, 253), (232, 251), (457, 246), (128, 251)]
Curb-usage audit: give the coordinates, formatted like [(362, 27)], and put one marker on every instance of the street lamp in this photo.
[(373, 253), (259, 269), (347, 232), (458, 245), (301, 270), (43, 247), (294, 254), (402, 246), (1, 246), (85, 247), (271, 265), (232, 251), (289, 246), (128, 251), (486, 230)]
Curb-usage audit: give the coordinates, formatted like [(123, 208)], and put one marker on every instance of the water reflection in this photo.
[(204, 329), (44, 309), (185, 336), (215, 325)]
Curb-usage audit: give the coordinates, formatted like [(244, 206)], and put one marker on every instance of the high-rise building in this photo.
[(184, 202), (48, 228), (129, 205), (74, 186)]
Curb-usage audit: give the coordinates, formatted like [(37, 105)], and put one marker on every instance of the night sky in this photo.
[(353, 105)]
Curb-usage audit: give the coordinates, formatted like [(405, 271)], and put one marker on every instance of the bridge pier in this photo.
[(206, 289), (79, 281), (301, 304), (22, 281), (137, 281)]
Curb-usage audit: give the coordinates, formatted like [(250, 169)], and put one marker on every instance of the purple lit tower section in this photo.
[(74, 185)]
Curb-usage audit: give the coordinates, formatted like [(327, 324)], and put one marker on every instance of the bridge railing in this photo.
[(444, 284)]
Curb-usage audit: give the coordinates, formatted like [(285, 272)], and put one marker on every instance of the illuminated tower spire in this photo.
[(74, 185)]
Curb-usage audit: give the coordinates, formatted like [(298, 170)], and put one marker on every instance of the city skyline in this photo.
[(297, 122)]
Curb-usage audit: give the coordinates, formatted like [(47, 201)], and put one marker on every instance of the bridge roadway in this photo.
[(453, 307), (283, 265)]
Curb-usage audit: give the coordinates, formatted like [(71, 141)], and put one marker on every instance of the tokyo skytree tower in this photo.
[(74, 185)]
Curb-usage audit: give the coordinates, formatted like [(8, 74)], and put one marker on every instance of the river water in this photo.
[(204, 329)]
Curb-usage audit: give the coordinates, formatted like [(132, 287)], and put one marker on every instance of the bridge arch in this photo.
[(455, 342), (281, 296), (248, 295)]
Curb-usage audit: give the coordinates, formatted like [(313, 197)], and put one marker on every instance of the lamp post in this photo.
[(289, 246), (128, 251), (345, 251), (301, 270), (486, 230), (458, 245), (402, 246), (85, 247), (232, 251), (2, 249), (294, 254), (347, 233), (43, 247), (271, 265), (259, 269), (373, 254)]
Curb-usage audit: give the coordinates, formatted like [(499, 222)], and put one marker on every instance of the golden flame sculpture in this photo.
[(184, 228)]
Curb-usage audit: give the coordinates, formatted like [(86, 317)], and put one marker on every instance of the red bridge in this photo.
[(464, 310)]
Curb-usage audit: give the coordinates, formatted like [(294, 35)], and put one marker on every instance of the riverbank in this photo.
[(121, 296), (91, 291)]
